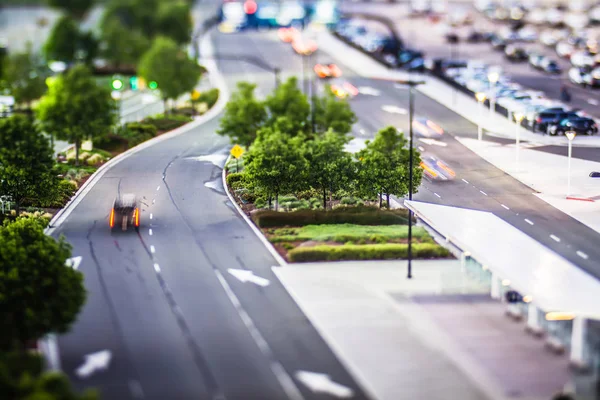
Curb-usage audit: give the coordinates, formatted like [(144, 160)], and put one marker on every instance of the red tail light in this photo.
[(111, 221), (538, 120)]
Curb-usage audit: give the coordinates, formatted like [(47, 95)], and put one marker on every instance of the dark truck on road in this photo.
[(125, 212)]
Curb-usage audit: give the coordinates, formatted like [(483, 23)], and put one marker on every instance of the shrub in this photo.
[(287, 198), (84, 156), (95, 159), (349, 201), (346, 215), (234, 177), (260, 203), (110, 142), (209, 97), (287, 246), (167, 122), (62, 194), (309, 195), (365, 252)]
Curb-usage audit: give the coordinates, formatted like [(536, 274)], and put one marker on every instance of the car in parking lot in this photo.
[(551, 116), (581, 126), (585, 77), (515, 53), (550, 66), (535, 60)]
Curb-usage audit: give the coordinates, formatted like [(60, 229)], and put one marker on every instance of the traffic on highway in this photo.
[(300, 200)]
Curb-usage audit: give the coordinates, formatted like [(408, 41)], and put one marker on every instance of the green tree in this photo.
[(22, 377), (384, 165), (76, 108), (175, 21), (25, 77), (62, 43), (275, 163), (333, 113), (244, 115), (330, 167), (288, 101), (123, 45), (25, 162), (170, 67), (74, 8), (40, 294)]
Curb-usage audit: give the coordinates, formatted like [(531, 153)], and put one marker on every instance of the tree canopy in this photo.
[(62, 43), (25, 161), (170, 67), (76, 108), (384, 165), (288, 101), (333, 113), (25, 77), (244, 115), (74, 8), (39, 294), (123, 45)]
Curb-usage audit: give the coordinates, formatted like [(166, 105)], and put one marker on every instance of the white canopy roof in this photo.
[(555, 283)]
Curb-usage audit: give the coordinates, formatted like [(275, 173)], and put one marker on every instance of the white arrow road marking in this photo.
[(433, 142), (73, 262), (322, 383), (394, 109), (248, 276), (369, 91), (93, 362), (593, 102)]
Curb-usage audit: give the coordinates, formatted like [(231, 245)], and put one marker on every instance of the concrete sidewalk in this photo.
[(437, 336)]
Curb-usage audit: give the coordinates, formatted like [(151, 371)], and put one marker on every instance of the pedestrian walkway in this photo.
[(436, 336)]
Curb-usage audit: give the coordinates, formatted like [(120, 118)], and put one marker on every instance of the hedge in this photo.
[(343, 215), (349, 252)]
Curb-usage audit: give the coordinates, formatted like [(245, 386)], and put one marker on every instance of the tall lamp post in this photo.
[(493, 77), (480, 96), (570, 135), (411, 110), (518, 118)]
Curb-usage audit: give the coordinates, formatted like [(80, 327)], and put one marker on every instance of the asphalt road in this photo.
[(488, 188), (435, 46), (178, 325)]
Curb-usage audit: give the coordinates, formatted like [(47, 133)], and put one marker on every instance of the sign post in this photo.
[(236, 152)]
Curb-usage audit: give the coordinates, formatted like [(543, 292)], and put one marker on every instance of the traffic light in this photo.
[(117, 84), (153, 85), (133, 83)]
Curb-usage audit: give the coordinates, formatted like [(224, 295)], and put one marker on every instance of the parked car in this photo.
[(551, 67), (498, 43), (548, 117), (535, 60), (581, 126), (515, 54), (564, 49), (452, 37), (585, 77)]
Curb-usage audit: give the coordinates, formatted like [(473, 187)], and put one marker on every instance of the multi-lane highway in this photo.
[(177, 323)]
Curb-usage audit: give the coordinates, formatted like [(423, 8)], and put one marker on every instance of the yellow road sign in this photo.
[(237, 151), (195, 94)]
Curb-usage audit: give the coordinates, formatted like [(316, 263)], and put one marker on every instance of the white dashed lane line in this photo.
[(582, 255), (437, 195), (156, 267), (152, 249), (157, 188), (505, 206), (150, 216), (153, 201), (555, 238), (465, 181), (483, 193), (150, 232), (528, 221)]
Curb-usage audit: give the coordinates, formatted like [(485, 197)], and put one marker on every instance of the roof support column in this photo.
[(578, 342), (496, 286), (533, 320)]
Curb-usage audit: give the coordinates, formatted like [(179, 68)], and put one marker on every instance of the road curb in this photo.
[(254, 228), (49, 344)]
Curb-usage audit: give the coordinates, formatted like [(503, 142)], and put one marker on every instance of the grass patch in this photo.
[(343, 233), (353, 252)]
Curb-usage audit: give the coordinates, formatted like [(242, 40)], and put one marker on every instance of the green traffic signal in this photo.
[(133, 83), (153, 85), (117, 84)]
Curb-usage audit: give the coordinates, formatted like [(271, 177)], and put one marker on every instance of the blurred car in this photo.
[(535, 60), (435, 169), (585, 77), (288, 35), (476, 36), (452, 37), (564, 49), (515, 54), (499, 43), (550, 66), (581, 126), (408, 55), (125, 212), (304, 47), (343, 90), (327, 71), (545, 118), (427, 128)]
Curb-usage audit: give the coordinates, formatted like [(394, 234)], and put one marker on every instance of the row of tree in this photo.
[(294, 147)]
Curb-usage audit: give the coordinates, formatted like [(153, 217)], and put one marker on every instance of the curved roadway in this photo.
[(177, 324)]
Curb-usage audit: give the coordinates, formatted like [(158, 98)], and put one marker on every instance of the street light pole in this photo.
[(570, 135), (493, 78), (410, 176), (518, 118), (480, 99)]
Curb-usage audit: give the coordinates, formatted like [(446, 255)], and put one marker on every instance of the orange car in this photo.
[(304, 47), (328, 71), (288, 35), (344, 91)]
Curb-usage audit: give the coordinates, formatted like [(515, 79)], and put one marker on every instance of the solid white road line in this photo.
[(437, 195), (528, 221), (593, 102), (465, 181), (150, 232), (150, 216), (483, 193), (157, 188), (582, 254), (153, 201), (505, 206), (282, 376), (156, 267), (555, 238), (152, 249)]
